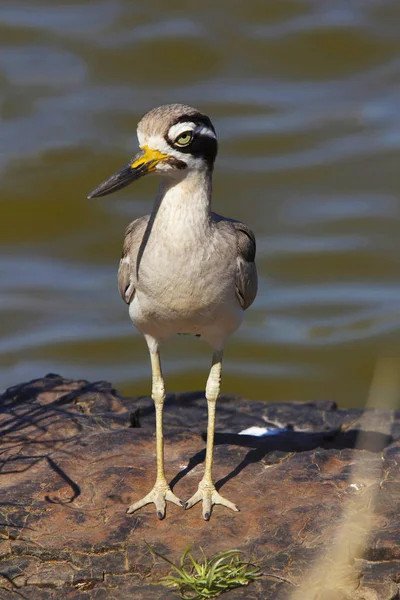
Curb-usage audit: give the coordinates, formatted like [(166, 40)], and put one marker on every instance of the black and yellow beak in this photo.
[(143, 163)]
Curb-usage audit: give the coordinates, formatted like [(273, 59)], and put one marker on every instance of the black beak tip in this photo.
[(98, 192), (117, 181)]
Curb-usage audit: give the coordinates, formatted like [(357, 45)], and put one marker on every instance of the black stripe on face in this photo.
[(199, 119), (202, 146)]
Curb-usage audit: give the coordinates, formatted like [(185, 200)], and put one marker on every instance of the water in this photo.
[(305, 98)]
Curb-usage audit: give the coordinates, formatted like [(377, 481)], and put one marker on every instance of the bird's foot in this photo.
[(209, 495), (159, 495)]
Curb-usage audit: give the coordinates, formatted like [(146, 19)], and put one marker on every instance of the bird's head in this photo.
[(174, 140)]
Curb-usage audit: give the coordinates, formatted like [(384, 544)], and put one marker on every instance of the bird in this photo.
[(184, 269)]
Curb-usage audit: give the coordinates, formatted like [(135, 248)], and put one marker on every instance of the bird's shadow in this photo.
[(286, 440), (278, 439), (25, 423)]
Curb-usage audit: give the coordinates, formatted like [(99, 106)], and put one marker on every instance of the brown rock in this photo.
[(71, 463)]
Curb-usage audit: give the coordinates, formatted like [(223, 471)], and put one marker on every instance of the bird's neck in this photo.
[(184, 204)]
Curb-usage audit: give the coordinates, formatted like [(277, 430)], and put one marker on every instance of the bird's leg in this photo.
[(206, 490), (161, 491)]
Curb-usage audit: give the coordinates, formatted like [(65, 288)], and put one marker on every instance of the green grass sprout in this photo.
[(208, 578)]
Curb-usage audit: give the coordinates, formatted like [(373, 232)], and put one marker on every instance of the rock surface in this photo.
[(74, 455)]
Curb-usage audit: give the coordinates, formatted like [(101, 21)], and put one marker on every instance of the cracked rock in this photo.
[(75, 454)]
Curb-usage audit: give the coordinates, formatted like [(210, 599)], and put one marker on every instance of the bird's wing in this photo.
[(127, 265), (245, 251), (246, 271)]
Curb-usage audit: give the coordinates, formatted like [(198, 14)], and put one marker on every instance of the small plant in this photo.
[(208, 578)]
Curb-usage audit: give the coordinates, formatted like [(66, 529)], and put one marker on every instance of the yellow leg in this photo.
[(206, 490), (161, 491)]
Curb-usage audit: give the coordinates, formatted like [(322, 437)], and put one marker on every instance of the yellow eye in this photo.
[(184, 138)]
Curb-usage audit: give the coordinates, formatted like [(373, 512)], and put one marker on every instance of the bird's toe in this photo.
[(218, 499), (207, 504), (142, 502), (194, 499), (170, 496)]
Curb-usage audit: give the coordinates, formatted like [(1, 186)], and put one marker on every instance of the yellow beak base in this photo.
[(148, 159)]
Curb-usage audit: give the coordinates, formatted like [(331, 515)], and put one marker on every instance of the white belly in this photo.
[(213, 326), (187, 294)]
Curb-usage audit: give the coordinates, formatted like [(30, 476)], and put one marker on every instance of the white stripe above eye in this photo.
[(179, 128)]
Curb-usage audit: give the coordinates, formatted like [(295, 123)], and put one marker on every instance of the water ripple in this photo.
[(304, 97)]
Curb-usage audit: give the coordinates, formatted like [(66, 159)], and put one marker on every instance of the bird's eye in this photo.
[(184, 138)]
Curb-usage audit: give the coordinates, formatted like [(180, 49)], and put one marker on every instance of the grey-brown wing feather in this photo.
[(127, 265), (246, 271)]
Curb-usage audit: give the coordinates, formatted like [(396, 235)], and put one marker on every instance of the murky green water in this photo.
[(305, 97)]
